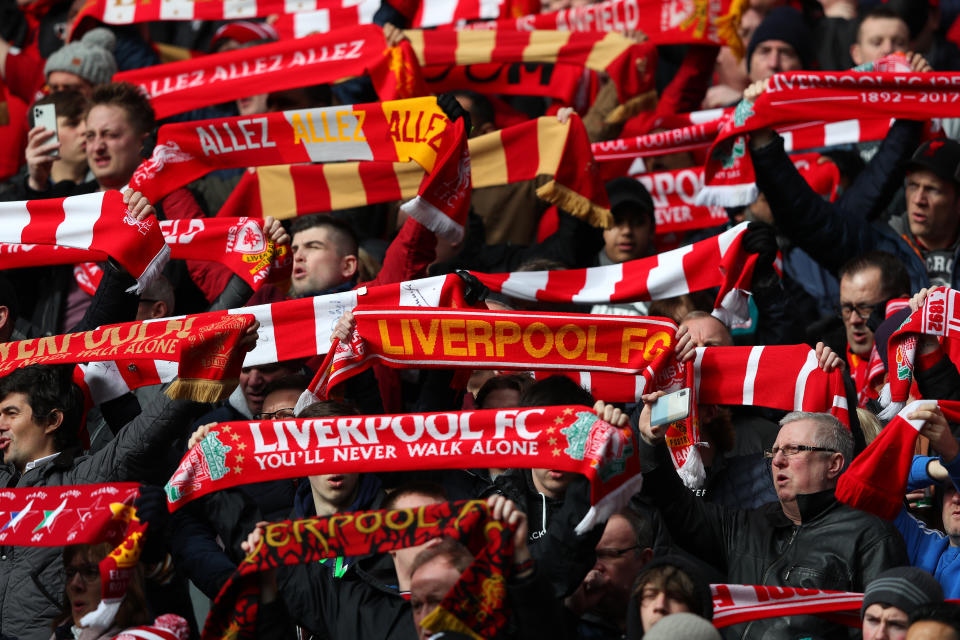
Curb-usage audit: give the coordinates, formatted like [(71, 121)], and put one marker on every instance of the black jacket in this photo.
[(835, 547)]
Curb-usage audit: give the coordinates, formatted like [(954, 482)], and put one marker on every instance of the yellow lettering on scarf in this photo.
[(416, 128)]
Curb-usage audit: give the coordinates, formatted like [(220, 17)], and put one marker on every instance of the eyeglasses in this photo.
[(863, 310), (793, 449), (89, 572), (610, 553), (274, 415)]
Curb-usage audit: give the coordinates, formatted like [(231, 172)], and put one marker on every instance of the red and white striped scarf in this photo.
[(237, 243), (176, 87), (739, 603), (97, 222)]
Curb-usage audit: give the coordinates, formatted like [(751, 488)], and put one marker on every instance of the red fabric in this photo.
[(24, 74), (14, 136)]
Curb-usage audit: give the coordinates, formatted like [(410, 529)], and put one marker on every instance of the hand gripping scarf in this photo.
[(97, 222), (567, 438), (621, 58), (716, 262), (237, 243), (663, 22), (80, 514), (795, 96), (939, 316), (410, 339), (397, 131), (541, 147), (203, 345), (181, 86), (475, 606)]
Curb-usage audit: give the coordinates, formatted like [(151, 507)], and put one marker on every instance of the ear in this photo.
[(159, 309), (4, 316), (855, 53), (836, 465), (646, 555), (55, 420), (348, 266)]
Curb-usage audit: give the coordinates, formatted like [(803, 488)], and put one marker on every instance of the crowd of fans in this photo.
[(765, 514)]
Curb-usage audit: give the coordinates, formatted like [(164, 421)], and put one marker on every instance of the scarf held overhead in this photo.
[(566, 438), (541, 147), (203, 345), (97, 222), (739, 603), (182, 86), (80, 514), (475, 606)]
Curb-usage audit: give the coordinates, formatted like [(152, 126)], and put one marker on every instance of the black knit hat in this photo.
[(905, 588), (629, 192), (787, 24), (940, 156)]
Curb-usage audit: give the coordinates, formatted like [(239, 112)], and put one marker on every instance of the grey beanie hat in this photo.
[(682, 626), (905, 588), (91, 58)]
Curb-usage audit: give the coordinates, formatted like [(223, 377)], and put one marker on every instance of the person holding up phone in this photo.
[(56, 155)]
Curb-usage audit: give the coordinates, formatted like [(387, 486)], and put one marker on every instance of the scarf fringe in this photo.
[(103, 616), (575, 203), (306, 399), (727, 25), (433, 219), (201, 390), (442, 620), (633, 106), (692, 472), (727, 195), (610, 504), (734, 309), (153, 269)]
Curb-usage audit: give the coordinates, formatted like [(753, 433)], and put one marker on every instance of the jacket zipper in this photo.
[(763, 579)]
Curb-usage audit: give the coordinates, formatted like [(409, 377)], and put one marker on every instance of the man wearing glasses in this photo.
[(807, 539)]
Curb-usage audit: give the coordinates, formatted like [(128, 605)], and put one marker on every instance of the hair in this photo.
[(698, 314), (869, 424), (946, 613), (678, 307), (640, 524), (877, 12), (133, 608), (8, 297), (830, 434), (669, 579), (294, 381), (893, 275), (415, 487), (367, 266), (322, 409), (71, 105), (456, 554), (542, 264), (342, 234), (160, 289), (129, 98), (49, 388), (553, 391), (518, 382), (481, 109)]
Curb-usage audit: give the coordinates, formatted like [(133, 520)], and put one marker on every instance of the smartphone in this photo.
[(670, 408), (45, 115)]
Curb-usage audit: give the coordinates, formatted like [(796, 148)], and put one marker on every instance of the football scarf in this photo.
[(237, 243), (566, 438), (445, 338), (792, 97), (475, 606), (97, 222), (396, 131), (739, 603), (177, 87), (939, 316), (699, 22), (876, 480), (622, 59), (715, 262), (202, 345), (80, 514), (541, 147)]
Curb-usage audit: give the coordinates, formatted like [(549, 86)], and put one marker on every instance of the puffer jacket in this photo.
[(835, 547), (31, 578)]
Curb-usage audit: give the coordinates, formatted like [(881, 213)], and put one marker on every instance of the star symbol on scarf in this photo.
[(568, 411), (556, 451), (242, 446), (49, 517), (239, 459), (17, 516), (550, 430), (558, 420), (552, 441), (226, 428), (234, 436)]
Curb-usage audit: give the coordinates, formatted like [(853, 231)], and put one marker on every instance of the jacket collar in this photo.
[(811, 505)]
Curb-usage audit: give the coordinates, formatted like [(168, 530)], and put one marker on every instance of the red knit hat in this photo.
[(243, 31)]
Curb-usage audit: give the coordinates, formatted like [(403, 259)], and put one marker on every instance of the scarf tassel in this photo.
[(201, 390), (633, 106), (575, 203), (102, 617), (440, 618), (727, 25), (610, 504)]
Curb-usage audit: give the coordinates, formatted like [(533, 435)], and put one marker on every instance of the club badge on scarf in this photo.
[(476, 605), (80, 514), (97, 222), (203, 345), (177, 87), (567, 438)]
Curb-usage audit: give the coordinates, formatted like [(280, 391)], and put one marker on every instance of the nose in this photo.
[(255, 378), (660, 602)]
